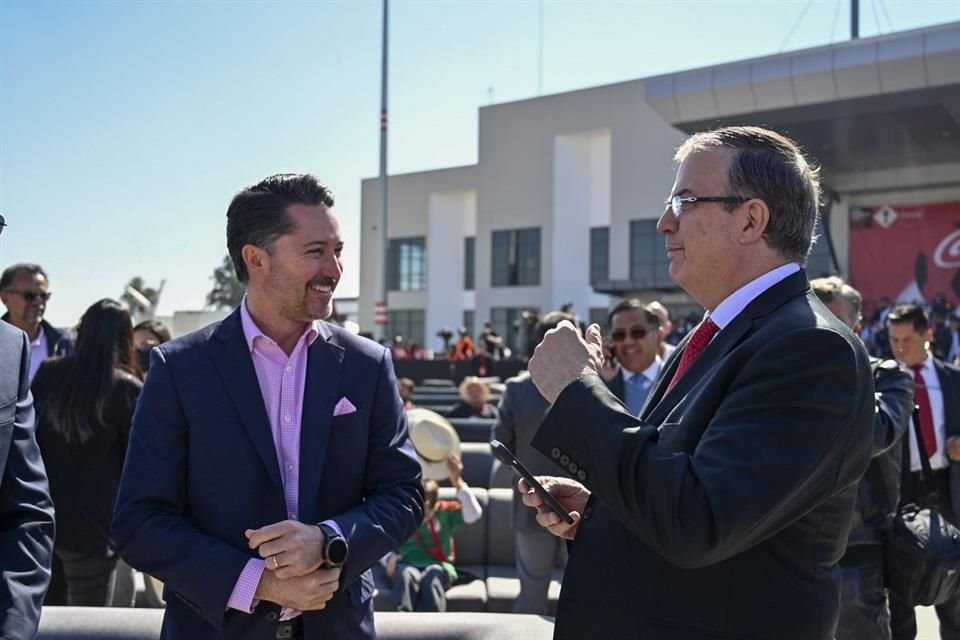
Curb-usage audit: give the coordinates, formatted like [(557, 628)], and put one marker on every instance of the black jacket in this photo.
[(879, 491), (59, 341), (722, 511)]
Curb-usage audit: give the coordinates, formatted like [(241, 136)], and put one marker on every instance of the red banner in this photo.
[(907, 253)]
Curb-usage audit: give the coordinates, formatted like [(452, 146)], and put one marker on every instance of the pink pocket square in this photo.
[(344, 407)]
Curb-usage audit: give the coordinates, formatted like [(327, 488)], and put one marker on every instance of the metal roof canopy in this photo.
[(880, 103)]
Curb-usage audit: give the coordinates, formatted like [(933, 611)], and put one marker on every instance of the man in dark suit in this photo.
[(937, 395), (269, 464), (26, 511), (722, 511), (25, 291), (635, 340), (536, 551)]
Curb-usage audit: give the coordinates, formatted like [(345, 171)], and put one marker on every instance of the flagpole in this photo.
[(381, 309)]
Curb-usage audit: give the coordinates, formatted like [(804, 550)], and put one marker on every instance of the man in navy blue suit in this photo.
[(269, 464), (26, 512)]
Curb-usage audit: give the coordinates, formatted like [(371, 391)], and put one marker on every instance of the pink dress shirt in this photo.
[(282, 380)]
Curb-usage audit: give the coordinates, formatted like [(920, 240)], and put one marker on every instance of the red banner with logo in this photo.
[(908, 253)]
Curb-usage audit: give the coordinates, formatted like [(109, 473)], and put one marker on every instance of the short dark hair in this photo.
[(633, 304), (10, 273), (550, 321), (258, 214), (912, 314), (157, 328), (771, 167)]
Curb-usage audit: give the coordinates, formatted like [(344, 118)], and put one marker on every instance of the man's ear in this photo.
[(256, 258), (756, 218)]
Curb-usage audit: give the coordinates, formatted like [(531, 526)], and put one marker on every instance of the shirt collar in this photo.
[(40, 341), (650, 373), (251, 331), (737, 301)]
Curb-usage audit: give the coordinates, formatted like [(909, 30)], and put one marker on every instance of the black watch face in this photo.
[(337, 551)]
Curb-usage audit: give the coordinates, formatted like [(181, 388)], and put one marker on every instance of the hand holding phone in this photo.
[(506, 456)]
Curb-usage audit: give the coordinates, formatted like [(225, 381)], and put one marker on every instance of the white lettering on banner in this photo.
[(947, 255)]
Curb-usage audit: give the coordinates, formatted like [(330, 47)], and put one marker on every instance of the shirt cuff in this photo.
[(244, 591), (333, 525)]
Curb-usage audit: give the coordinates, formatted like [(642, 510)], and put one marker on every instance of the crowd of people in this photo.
[(733, 477)]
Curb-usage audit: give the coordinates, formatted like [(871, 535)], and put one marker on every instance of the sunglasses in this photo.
[(636, 333), (31, 296)]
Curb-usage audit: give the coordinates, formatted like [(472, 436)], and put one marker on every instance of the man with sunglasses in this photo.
[(635, 335), (25, 290), (722, 510), (26, 511)]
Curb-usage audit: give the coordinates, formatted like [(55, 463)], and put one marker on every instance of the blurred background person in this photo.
[(536, 550), (474, 394), (85, 403), (666, 328), (406, 386), (25, 291), (635, 335), (463, 350), (147, 335)]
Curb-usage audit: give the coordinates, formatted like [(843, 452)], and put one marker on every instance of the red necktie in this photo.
[(698, 341), (926, 414)]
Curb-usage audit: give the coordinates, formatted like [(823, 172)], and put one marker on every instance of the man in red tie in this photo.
[(937, 394), (722, 510)]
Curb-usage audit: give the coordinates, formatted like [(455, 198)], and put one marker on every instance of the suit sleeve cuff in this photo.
[(242, 597)]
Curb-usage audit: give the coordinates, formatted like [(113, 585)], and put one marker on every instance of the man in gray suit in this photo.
[(26, 511), (521, 411)]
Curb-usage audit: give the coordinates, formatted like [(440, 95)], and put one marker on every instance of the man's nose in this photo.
[(667, 222)]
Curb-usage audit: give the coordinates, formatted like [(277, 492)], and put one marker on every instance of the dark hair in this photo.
[(911, 314), (10, 273), (258, 214), (104, 345), (771, 167), (632, 304), (550, 321), (157, 328)]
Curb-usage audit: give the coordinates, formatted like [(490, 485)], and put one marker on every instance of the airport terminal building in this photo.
[(562, 205)]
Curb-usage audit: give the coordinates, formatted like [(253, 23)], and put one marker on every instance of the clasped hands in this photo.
[(293, 554)]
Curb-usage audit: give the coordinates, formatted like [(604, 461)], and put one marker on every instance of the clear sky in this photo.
[(126, 127)]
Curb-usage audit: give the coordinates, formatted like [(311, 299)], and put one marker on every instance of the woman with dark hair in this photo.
[(85, 404), (147, 335)]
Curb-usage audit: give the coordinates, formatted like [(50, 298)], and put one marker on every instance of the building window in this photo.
[(469, 262), (649, 265), (598, 315), (406, 323), (407, 261), (513, 325), (468, 321), (516, 258), (599, 254)]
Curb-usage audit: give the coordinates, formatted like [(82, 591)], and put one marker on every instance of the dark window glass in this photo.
[(648, 259), (469, 263), (407, 262), (599, 254), (516, 258), (407, 323)]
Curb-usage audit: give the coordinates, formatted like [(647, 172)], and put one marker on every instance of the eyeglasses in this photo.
[(636, 333), (30, 296), (676, 202)]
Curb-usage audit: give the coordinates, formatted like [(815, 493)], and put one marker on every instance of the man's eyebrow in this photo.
[(680, 193), (323, 243)]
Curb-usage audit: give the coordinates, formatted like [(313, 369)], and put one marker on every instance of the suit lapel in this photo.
[(320, 396), (231, 357), (659, 406)]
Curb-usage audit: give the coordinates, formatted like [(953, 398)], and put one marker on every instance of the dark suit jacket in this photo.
[(949, 376), (26, 512), (522, 409), (59, 342), (201, 468), (722, 511)]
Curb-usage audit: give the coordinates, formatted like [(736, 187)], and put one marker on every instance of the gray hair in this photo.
[(771, 167), (833, 288)]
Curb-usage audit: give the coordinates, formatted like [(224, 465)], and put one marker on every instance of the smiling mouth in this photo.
[(323, 285)]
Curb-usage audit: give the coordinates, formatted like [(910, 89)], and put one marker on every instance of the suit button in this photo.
[(271, 616), (555, 453), (582, 475), (588, 513), (573, 468), (564, 460)]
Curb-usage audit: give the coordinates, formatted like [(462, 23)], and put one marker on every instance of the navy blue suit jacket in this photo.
[(201, 468), (26, 512)]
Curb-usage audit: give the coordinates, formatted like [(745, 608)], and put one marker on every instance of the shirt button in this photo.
[(287, 418), (289, 467), (288, 369)]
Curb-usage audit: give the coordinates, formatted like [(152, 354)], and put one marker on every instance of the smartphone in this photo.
[(506, 456)]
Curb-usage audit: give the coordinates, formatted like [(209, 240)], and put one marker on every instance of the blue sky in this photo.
[(126, 127)]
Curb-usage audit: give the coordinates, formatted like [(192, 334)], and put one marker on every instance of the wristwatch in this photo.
[(335, 547)]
